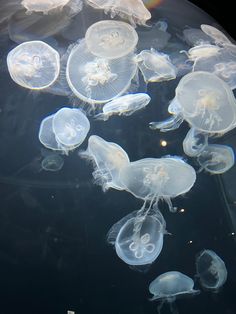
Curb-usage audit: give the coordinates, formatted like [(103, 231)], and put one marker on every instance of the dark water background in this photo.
[(53, 251)]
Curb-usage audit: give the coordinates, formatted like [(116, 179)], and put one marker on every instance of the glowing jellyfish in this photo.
[(34, 65), (218, 36), (108, 159), (216, 159), (46, 134), (205, 101), (202, 51), (98, 80), (111, 39), (194, 142), (211, 270), (52, 162), (155, 66), (152, 179), (43, 5), (138, 240), (70, 126), (134, 10), (124, 105)]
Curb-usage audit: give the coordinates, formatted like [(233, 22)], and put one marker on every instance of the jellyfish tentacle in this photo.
[(169, 124)]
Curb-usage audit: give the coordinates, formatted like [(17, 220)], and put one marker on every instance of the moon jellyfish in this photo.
[(153, 179), (43, 5), (202, 51), (46, 134), (98, 80), (70, 126), (142, 245), (218, 36), (155, 66), (216, 159), (108, 159), (124, 105), (195, 37), (211, 270), (134, 10), (205, 101), (194, 142), (52, 162), (111, 39), (34, 65)]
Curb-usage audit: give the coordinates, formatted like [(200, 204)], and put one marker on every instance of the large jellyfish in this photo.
[(134, 10), (98, 80), (108, 158), (34, 65), (211, 270), (111, 39), (138, 242)]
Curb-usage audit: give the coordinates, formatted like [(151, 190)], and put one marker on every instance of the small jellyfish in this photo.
[(46, 134), (98, 80), (153, 179), (124, 105), (216, 159), (134, 10), (34, 65), (211, 270), (201, 51), (194, 142), (138, 239), (43, 5), (218, 36), (195, 37), (108, 159), (111, 39), (155, 66), (52, 162), (70, 127)]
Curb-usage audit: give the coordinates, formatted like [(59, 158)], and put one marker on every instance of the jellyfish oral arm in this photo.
[(169, 124)]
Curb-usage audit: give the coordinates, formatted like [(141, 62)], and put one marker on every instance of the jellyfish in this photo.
[(46, 6), (70, 127), (195, 37), (219, 37), (34, 65), (108, 159), (98, 80), (211, 270), (216, 159), (46, 134), (153, 179), (205, 101), (169, 286), (111, 39), (52, 162), (155, 66), (124, 105), (134, 10), (194, 142), (202, 51), (137, 244)]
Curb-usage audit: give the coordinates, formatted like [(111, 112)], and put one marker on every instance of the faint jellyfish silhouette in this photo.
[(124, 105), (98, 80), (108, 159), (169, 286), (211, 270), (34, 65), (205, 101), (153, 179), (111, 39), (70, 127), (216, 159), (219, 37), (138, 240), (195, 37), (52, 162), (194, 142), (155, 66), (134, 10)]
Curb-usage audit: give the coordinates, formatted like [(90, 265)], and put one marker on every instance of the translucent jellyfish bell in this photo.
[(202, 51), (98, 80), (195, 37), (52, 162), (46, 134), (108, 158), (111, 39), (216, 159), (34, 65), (194, 142), (43, 5), (218, 36), (153, 179), (138, 244), (211, 270)]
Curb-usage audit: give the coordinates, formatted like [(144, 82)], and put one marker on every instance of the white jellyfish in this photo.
[(211, 270), (46, 6), (34, 65), (138, 239), (124, 105), (98, 80), (195, 37), (52, 162), (219, 37), (108, 159), (194, 142), (216, 159), (155, 66), (153, 179), (111, 39), (134, 10), (202, 51), (46, 134)]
